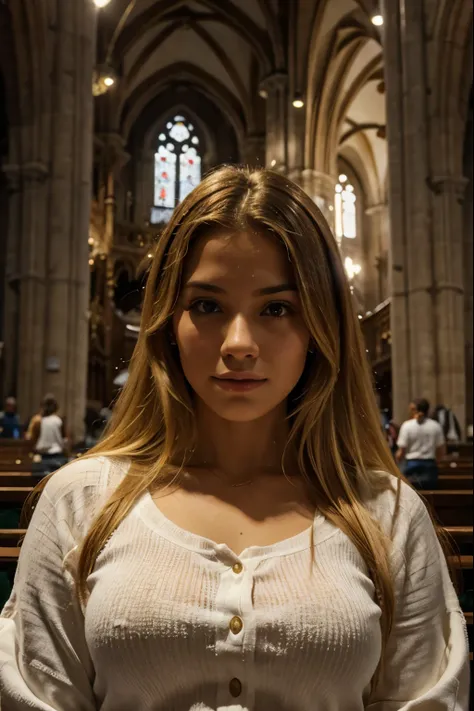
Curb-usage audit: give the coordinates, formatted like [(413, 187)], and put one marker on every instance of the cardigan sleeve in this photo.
[(44, 659), (426, 665)]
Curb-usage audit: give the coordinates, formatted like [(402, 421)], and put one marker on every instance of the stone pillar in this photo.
[(26, 284), (254, 151), (376, 238), (275, 87), (426, 284), (468, 270), (144, 186), (321, 187), (66, 315), (114, 159), (448, 252)]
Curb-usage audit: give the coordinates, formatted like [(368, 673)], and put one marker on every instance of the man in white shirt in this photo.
[(421, 444)]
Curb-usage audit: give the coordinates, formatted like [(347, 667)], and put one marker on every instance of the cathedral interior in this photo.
[(111, 113), (112, 110)]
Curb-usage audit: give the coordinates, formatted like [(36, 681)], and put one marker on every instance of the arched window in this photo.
[(345, 209), (177, 167)]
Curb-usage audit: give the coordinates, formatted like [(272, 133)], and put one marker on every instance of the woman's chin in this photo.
[(239, 409)]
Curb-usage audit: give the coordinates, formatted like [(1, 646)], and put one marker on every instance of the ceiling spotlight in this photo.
[(298, 102), (101, 3), (377, 20)]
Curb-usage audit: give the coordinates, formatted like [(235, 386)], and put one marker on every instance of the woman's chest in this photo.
[(172, 604), (241, 519)]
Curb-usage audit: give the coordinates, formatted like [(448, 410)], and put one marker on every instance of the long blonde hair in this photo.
[(334, 422)]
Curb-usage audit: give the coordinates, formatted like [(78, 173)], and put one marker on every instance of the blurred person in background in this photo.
[(48, 434), (10, 427), (421, 444)]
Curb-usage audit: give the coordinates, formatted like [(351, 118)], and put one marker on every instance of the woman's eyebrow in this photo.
[(206, 286)]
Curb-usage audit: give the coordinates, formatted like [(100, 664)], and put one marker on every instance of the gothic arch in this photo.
[(150, 136), (28, 20), (230, 15), (452, 82), (182, 72), (219, 53), (344, 60)]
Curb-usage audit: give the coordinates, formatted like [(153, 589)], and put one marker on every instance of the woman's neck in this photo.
[(240, 449)]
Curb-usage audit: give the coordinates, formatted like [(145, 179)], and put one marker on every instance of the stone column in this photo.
[(114, 158), (66, 327), (26, 284), (254, 151), (468, 270), (275, 87), (321, 187), (376, 248), (426, 282), (448, 252), (144, 186)]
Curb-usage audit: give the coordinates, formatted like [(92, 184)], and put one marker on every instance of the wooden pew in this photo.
[(461, 449), (18, 479), (451, 507), (448, 481), (14, 494), (461, 534), (456, 467), (10, 537), (14, 452), (9, 555), (464, 562)]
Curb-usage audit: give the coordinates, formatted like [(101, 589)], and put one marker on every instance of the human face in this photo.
[(412, 411), (239, 316), (10, 405)]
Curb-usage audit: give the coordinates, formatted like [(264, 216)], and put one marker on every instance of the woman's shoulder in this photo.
[(85, 481), (394, 503)]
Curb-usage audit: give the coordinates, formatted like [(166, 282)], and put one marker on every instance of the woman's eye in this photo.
[(278, 309), (204, 306)]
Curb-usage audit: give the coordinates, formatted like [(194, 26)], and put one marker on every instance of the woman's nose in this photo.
[(239, 341)]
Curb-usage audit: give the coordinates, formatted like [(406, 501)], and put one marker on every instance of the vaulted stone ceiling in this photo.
[(220, 50)]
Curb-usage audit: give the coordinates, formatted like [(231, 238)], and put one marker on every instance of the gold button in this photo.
[(236, 625), (237, 568), (235, 687)]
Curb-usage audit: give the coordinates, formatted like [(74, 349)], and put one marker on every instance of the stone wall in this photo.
[(49, 172)]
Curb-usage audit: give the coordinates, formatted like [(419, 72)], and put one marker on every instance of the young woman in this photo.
[(48, 434), (242, 539)]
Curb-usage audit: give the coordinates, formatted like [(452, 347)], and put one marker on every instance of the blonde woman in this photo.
[(241, 539)]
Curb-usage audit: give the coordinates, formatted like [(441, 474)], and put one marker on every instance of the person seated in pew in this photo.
[(10, 424), (241, 539), (421, 445)]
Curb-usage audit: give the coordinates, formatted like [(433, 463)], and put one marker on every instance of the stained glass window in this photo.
[(190, 171), (177, 166), (345, 209), (165, 177)]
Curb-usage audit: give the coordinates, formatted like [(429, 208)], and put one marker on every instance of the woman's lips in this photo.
[(238, 386)]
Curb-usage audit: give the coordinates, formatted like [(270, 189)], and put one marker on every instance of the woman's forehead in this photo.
[(246, 254)]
